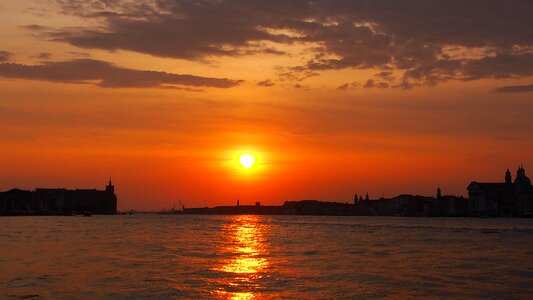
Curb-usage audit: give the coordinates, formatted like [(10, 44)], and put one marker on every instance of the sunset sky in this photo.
[(332, 98)]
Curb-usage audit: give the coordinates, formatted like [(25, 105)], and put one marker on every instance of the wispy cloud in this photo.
[(107, 75), (5, 56), (266, 83), (514, 89), (348, 86)]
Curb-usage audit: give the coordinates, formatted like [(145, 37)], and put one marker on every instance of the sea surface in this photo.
[(264, 257)]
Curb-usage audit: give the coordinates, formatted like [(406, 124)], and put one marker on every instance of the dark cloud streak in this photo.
[(514, 89), (5, 56), (107, 75), (266, 83)]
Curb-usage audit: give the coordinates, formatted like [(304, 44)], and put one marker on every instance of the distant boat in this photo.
[(87, 213)]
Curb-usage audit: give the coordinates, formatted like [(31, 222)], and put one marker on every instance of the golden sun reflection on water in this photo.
[(247, 257)]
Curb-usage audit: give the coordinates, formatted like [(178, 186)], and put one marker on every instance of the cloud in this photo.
[(382, 85), (385, 75), (514, 89), (418, 39), (183, 29), (348, 86), (107, 75), (369, 84), (5, 56), (265, 83), (500, 66), (44, 56), (344, 87), (79, 54), (36, 28), (294, 73)]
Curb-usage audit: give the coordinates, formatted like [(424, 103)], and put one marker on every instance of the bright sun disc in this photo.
[(247, 160)]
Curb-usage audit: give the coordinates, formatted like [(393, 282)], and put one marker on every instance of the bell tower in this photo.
[(110, 187), (508, 178)]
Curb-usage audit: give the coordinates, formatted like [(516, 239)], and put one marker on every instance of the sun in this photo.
[(247, 160)]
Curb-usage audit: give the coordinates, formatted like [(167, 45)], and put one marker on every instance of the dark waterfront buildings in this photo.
[(59, 201), (403, 205), (507, 198), (414, 205)]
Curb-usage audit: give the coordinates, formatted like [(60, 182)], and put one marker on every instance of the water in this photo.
[(258, 257)]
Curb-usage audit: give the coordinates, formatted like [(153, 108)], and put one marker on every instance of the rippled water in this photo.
[(257, 257)]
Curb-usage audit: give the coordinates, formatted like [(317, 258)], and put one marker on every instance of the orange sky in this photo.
[(331, 100)]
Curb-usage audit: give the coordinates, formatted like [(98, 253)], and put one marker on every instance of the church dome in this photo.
[(521, 180)]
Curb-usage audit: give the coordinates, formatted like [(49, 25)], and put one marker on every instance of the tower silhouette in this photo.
[(110, 187), (508, 178)]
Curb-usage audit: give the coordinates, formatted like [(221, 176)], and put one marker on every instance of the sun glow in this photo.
[(247, 160)]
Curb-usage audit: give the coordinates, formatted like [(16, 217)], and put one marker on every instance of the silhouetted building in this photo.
[(315, 207), (502, 199), (59, 201), (413, 205)]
